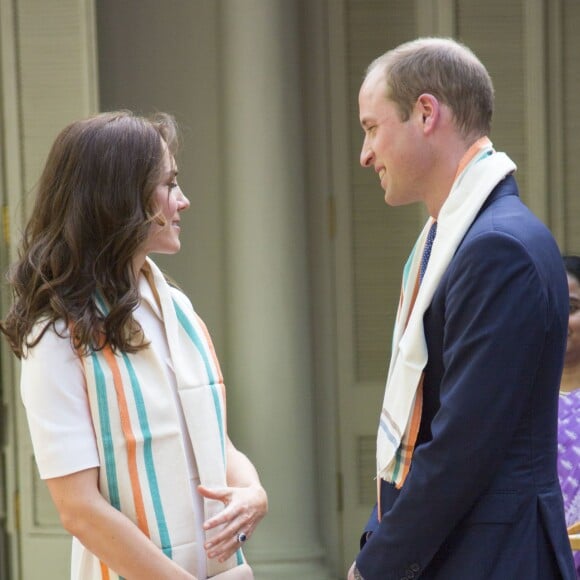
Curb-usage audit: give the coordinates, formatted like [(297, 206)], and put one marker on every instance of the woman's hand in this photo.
[(244, 508)]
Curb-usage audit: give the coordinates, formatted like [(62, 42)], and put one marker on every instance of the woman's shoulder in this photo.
[(177, 295), (47, 334), (51, 353), (181, 299)]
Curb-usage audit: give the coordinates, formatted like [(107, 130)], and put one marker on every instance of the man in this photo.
[(466, 448)]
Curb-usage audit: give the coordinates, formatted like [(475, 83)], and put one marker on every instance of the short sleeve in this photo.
[(54, 394)]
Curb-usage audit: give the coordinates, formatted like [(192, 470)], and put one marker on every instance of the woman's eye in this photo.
[(172, 184)]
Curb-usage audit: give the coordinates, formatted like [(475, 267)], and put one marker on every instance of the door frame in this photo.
[(10, 226), (27, 128)]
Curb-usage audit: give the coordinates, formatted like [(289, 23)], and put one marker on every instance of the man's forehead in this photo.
[(372, 93), (374, 86), (375, 77)]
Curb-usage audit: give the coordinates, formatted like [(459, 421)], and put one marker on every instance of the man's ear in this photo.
[(429, 108)]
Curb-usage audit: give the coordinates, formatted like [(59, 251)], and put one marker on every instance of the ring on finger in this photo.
[(241, 537)]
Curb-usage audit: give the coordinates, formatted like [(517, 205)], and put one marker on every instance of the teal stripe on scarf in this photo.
[(406, 270), (398, 457), (217, 405), (106, 435), (147, 450), (101, 303), (200, 345), (148, 458), (398, 463), (407, 267)]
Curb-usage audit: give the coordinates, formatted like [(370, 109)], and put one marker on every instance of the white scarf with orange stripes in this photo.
[(402, 404), (143, 467)]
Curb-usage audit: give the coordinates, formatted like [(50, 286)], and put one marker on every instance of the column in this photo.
[(268, 362)]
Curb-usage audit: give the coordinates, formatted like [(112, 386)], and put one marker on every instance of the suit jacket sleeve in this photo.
[(496, 313)]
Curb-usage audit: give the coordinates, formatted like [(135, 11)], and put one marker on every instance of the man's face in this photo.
[(391, 146)]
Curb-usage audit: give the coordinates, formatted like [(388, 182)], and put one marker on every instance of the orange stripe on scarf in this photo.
[(129, 438), (413, 431), (410, 446)]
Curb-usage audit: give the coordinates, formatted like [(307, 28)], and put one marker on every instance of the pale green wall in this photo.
[(153, 59)]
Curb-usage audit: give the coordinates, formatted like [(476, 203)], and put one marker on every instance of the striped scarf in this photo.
[(480, 171), (143, 464)]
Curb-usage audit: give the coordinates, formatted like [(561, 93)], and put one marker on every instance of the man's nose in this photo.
[(366, 155)]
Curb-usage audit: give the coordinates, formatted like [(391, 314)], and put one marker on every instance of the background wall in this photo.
[(165, 57)]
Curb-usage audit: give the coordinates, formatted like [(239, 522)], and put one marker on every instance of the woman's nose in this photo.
[(184, 202)]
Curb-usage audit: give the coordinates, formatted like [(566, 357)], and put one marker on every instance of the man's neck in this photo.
[(458, 154)]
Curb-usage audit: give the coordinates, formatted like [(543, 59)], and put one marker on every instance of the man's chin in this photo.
[(393, 200)]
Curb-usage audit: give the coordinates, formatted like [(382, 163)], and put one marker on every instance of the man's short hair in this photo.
[(446, 69)]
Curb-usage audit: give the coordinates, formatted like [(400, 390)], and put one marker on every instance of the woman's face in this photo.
[(573, 343), (169, 200)]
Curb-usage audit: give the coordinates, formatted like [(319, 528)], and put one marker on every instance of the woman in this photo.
[(123, 392), (569, 406)]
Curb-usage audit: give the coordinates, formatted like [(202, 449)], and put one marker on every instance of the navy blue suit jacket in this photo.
[(482, 499)]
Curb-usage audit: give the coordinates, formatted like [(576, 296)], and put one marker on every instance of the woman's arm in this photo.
[(245, 500), (108, 533)]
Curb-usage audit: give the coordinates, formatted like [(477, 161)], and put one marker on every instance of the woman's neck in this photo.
[(139, 262), (570, 378)]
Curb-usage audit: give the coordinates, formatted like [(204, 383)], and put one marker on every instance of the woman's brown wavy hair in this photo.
[(93, 211)]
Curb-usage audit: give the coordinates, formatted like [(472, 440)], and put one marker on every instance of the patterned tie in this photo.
[(427, 250)]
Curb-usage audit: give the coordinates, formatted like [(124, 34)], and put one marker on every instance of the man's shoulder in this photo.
[(504, 214)]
